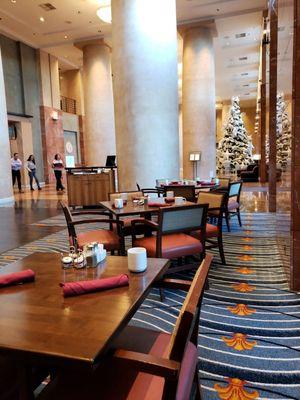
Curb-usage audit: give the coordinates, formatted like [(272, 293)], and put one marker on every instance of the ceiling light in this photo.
[(104, 13), (42, 19), (13, 1), (66, 37)]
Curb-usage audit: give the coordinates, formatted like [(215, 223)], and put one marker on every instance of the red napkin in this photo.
[(169, 199), (17, 277), (153, 204), (95, 285)]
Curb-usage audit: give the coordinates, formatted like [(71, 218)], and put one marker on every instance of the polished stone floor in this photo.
[(30, 207)]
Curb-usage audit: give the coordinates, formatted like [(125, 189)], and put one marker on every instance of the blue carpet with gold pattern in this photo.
[(249, 340)]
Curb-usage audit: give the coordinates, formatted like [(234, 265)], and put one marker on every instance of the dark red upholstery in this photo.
[(233, 205), (211, 231), (173, 245), (109, 239)]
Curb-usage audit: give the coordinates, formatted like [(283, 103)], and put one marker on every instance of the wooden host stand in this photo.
[(87, 186)]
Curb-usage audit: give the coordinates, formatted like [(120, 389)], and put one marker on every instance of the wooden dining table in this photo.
[(131, 209), (38, 326)]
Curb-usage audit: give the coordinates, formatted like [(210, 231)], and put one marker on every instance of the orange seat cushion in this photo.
[(211, 231), (109, 239), (173, 245), (233, 205)]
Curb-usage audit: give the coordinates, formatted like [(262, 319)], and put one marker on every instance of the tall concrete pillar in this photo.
[(199, 100), (98, 102), (145, 84), (6, 191)]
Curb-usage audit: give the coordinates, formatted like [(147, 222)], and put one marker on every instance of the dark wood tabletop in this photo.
[(134, 209), (38, 324)]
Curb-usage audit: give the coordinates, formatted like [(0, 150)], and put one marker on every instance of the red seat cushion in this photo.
[(109, 239), (233, 205), (211, 231), (173, 246)]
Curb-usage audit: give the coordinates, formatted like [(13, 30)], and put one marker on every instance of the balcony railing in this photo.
[(68, 105)]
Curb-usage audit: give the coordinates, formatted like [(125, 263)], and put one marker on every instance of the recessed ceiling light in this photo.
[(42, 19), (13, 1), (66, 37)]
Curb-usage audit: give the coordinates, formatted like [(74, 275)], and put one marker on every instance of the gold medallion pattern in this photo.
[(239, 342), (243, 287), (235, 390), (242, 310)]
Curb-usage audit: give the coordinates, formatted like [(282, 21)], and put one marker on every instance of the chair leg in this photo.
[(239, 216), (227, 220), (162, 295), (197, 385), (221, 250), (112, 252)]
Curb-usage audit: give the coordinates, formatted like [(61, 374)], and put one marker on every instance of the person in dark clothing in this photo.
[(58, 167), (16, 166)]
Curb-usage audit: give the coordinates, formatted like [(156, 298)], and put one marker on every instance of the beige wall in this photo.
[(71, 86), (49, 78)]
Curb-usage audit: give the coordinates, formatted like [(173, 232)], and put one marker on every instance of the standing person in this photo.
[(31, 167), (58, 166), (16, 165)]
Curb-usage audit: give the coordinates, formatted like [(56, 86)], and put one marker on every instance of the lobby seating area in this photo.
[(149, 200)]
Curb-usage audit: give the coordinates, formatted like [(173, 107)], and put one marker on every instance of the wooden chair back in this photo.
[(216, 203), (152, 191), (187, 191), (187, 324), (69, 220), (223, 183)]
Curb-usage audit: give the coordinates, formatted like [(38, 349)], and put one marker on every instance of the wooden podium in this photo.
[(87, 186)]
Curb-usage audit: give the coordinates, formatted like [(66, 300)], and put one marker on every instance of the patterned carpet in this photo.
[(249, 342)]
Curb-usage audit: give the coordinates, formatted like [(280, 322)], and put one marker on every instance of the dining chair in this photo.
[(143, 363), (153, 191), (187, 191), (129, 196), (232, 204), (112, 239), (223, 184), (213, 231), (173, 239)]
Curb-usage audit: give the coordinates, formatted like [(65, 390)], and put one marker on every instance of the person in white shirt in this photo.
[(31, 168), (58, 166), (16, 166)]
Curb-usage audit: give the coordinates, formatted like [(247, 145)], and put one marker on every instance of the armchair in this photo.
[(112, 239)]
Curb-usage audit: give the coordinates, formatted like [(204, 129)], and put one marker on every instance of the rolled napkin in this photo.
[(157, 204), (17, 277), (169, 199), (95, 285)]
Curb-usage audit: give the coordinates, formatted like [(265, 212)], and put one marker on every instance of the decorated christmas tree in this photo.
[(283, 134), (235, 149)]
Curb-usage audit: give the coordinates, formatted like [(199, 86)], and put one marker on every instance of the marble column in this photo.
[(99, 136), (145, 84), (199, 100), (6, 191)]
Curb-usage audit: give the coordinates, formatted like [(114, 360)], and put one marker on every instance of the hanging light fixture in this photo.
[(104, 12)]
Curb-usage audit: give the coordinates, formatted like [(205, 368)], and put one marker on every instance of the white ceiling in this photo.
[(74, 20)]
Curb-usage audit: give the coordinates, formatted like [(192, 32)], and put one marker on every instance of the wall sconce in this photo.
[(195, 157), (55, 116)]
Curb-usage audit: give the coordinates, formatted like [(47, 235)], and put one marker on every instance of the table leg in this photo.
[(25, 384)]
